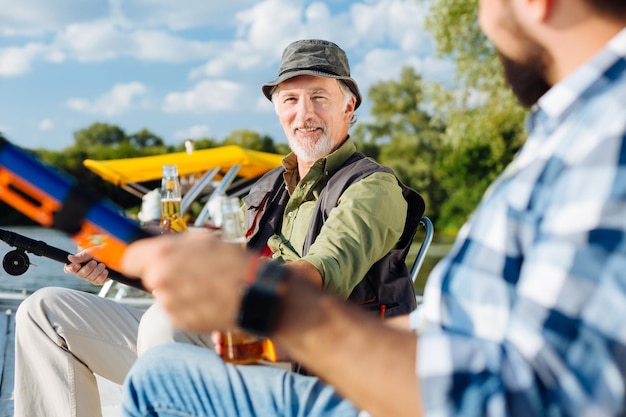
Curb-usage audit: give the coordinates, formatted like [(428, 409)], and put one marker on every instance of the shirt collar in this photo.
[(335, 160), (560, 99)]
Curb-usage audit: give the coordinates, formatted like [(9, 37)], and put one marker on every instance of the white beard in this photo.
[(311, 150)]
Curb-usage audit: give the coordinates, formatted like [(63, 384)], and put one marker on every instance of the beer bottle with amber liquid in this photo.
[(172, 220)]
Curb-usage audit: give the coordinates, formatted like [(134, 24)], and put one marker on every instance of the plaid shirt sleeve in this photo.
[(527, 314)]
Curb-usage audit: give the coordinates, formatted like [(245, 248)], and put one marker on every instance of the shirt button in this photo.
[(275, 255), (290, 214)]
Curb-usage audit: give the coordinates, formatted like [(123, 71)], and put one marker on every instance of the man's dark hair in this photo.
[(615, 8)]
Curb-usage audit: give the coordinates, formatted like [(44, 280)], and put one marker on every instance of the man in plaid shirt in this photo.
[(525, 317)]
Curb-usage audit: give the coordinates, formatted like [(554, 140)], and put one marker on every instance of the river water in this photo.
[(43, 272)]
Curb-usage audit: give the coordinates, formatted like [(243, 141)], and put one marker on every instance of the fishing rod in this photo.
[(16, 262)]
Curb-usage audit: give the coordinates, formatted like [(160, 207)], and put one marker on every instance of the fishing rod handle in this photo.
[(61, 256), (118, 276)]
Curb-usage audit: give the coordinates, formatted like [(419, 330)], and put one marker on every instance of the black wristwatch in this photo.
[(261, 301)]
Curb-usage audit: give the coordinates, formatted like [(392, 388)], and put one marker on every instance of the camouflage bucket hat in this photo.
[(313, 57)]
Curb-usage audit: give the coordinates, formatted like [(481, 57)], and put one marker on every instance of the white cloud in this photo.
[(398, 24), (138, 29), (161, 46), (237, 55), (206, 96), (121, 99), (183, 14), (266, 25), (265, 29), (434, 69), (378, 64), (394, 28), (93, 41), (369, 23), (262, 32), (36, 17), (46, 125), (262, 104), (386, 64), (194, 132), (104, 32), (104, 40), (17, 61)]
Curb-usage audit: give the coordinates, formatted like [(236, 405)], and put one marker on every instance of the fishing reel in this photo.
[(16, 262)]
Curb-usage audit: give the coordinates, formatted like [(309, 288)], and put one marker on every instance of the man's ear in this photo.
[(555, 13), (538, 10), (350, 108)]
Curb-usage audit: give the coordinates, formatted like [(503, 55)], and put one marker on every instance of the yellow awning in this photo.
[(147, 168)]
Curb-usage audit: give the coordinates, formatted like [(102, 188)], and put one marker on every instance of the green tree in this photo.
[(102, 141), (484, 122), (205, 143), (250, 140), (403, 135), (145, 139), (282, 148), (479, 72), (99, 134)]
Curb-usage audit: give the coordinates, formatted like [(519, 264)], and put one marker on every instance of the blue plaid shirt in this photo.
[(527, 314)]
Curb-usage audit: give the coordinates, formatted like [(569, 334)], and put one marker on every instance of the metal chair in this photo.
[(429, 231), (421, 253)]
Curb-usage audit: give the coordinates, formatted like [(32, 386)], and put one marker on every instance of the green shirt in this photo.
[(365, 225)]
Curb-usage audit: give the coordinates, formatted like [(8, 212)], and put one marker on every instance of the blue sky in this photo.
[(185, 68)]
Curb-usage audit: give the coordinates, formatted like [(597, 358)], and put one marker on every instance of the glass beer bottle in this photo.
[(172, 220), (238, 346)]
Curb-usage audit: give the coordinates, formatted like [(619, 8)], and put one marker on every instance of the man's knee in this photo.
[(155, 329), (169, 375), (35, 306)]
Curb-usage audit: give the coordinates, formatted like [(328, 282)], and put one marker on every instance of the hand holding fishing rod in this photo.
[(16, 262)]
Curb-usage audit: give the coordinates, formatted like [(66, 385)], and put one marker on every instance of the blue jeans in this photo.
[(184, 380)]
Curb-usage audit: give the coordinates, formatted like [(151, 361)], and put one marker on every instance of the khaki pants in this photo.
[(63, 337)]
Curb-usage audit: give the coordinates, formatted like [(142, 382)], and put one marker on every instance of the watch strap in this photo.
[(261, 301)]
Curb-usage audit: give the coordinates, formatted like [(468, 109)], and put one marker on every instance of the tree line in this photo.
[(448, 143)]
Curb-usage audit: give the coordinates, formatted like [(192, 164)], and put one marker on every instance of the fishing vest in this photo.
[(387, 286)]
